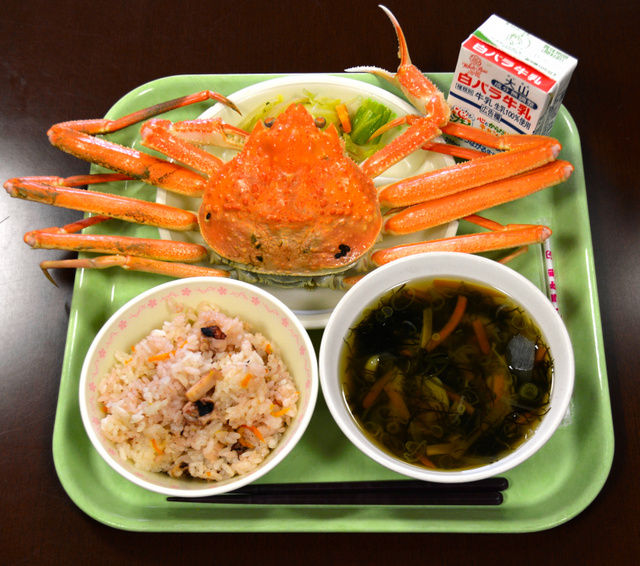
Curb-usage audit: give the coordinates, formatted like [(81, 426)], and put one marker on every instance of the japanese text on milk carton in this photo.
[(509, 81)]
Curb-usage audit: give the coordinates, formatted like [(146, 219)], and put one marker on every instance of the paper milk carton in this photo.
[(507, 80)]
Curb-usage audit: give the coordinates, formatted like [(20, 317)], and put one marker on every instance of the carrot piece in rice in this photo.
[(245, 380), (255, 431), (165, 355), (156, 448), (281, 412)]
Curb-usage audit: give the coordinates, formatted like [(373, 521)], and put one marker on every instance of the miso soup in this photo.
[(446, 374)]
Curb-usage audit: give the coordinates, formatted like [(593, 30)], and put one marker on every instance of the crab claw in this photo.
[(420, 91)]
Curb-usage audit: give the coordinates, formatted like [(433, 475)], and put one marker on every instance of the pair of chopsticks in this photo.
[(386, 492)]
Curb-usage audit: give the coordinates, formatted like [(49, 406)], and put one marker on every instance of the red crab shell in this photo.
[(291, 201)]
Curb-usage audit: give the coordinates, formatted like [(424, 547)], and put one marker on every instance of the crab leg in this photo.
[(157, 134), (424, 96), (448, 208), (64, 239), (82, 180), (528, 153), (126, 160), (77, 138), (181, 140), (420, 91), (104, 126), (209, 131), (523, 153), (499, 238), (419, 133), (40, 189), (137, 254), (453, 150), (178, 270)]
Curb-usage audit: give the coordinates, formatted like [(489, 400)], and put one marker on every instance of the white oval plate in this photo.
[(314, 306)]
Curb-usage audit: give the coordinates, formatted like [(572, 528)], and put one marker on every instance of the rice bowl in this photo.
[(201, 397), (219, 386)]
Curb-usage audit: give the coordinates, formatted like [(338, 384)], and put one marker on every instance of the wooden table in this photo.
[(69, 60)]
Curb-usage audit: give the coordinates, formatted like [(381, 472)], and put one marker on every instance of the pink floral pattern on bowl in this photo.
[(261, 310)]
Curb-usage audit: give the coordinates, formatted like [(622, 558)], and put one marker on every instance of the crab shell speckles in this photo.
[(291, 201)]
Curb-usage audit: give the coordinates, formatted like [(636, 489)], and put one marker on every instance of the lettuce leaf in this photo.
[(367, 118), (370, 116)]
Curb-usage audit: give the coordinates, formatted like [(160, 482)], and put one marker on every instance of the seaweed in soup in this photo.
[(446, 374)]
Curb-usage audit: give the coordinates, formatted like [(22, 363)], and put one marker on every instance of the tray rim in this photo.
[(298, 524)]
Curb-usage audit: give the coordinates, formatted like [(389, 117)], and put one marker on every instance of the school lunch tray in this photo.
[(553, 486)]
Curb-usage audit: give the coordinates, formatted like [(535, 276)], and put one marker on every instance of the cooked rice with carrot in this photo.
[(201, 397)]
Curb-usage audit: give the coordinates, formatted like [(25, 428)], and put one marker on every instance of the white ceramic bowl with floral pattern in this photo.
[(133, 321)]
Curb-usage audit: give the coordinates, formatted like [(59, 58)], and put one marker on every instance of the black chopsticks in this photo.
[(387, 492)]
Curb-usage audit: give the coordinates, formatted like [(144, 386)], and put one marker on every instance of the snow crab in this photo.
[(290, 203)]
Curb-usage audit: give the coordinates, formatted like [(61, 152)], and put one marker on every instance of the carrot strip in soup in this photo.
[(376, 389), (458, 398), (426, 462), (481, 336), (451, 325), (397, 402), (498, 385), (541, 352)]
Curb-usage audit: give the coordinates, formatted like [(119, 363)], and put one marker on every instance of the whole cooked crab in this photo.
[(291, 202)]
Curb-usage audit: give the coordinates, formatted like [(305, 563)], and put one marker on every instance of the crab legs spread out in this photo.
[(290, 203)]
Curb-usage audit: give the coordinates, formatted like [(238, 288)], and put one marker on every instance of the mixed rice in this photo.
[(201, 397)]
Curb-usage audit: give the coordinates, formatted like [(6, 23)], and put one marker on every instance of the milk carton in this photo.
[(508, 81)]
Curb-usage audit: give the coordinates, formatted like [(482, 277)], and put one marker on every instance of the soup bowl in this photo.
[(475, 270), (259, 310)]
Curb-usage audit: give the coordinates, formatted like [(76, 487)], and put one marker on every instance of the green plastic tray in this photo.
[(553, 486)]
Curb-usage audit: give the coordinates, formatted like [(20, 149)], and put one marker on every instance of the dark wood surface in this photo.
[(69, 60)]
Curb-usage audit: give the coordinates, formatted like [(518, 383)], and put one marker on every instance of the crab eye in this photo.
[(343, 251), (269, 122), (320, 122)]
